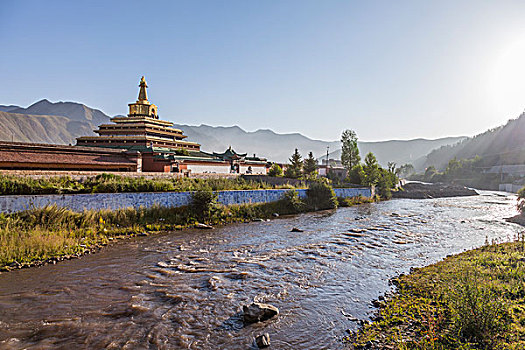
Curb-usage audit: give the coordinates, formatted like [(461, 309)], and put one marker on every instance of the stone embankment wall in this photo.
[(79, 202)]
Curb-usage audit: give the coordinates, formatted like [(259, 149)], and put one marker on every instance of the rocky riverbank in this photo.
[(518, 219), (419, 190)]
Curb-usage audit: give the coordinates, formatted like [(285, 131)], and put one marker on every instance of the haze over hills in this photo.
[(401, 151), (264, 142), (62, 122), (499, 146)]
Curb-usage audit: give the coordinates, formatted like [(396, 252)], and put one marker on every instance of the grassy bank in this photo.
[(474, 300), (109, 183), (51, 233)]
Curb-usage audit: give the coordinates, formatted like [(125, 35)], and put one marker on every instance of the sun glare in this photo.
[(508, 81)]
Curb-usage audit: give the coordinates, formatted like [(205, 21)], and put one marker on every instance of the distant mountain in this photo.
[(71, 110), (266, 143), (401, 151), (8, 108), (41, 128), (62, 122), (279, 147), (49, 122), (499, 146)]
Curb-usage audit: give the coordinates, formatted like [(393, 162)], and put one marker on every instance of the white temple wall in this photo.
[(256, 169), (214, 169)]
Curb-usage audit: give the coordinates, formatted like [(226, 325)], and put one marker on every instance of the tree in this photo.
[(454, 167), (295, 169), (405, 170), (310, 164), (387, 180), (371, 170), (275, 170), (349, 150), (391, 167), (430, 172), (356, 175)]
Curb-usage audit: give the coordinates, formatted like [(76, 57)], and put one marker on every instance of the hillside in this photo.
[(62, 122), (401, 151), (502, 145), (40, 128), (267, 143), (8, 108), (71, 110), (49, 122)]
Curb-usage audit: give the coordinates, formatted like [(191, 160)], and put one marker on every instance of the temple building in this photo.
[(140, 142), (163, 148), (142, 127)]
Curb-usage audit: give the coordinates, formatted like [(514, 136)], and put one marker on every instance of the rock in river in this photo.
[(295, 229), (257, 312), (262, 341), (203, 226)]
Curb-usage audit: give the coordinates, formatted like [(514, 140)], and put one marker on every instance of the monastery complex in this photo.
[(140, 142)]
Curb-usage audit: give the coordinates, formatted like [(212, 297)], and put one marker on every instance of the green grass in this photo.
[(474, 300), (109, 183), (349, 202)]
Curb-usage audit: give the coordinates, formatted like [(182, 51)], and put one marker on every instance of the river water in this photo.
[(184, 290)]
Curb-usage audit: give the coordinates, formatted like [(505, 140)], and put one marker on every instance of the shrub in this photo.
[(292, 203), (203, 204), (320, 195), (351, 201), (275, 170), (480, 316), (521, 200)]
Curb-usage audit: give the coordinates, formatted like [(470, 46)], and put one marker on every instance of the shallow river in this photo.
[(184, 290)]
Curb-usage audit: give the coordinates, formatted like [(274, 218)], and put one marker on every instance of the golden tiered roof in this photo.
[(142, 126)]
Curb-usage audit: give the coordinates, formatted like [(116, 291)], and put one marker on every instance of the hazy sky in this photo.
[(387, 69)]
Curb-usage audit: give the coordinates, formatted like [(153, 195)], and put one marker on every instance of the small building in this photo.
[(333, 168), (511, 169)]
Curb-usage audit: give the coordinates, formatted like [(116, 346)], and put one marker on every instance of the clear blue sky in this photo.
[(387, 69)]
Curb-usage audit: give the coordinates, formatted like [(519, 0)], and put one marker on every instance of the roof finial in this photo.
[(143, 96)]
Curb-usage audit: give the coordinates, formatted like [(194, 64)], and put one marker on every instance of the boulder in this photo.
[(295, 229), (262, 341), (257, 312)]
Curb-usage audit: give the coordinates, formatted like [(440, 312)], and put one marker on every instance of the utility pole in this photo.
[(327, 149)]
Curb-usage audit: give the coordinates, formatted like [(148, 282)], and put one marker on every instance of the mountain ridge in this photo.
[(77, 119), (496, 146)]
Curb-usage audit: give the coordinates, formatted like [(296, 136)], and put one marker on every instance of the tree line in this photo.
[(368, 173)]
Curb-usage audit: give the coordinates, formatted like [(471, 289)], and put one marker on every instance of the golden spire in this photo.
[(143, 96)]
